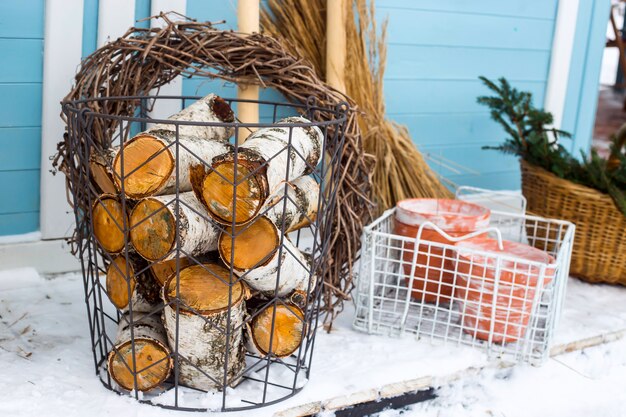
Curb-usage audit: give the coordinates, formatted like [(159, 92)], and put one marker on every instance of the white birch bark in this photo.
[(268, 145), (210, 109), (202, 342), (101, 166), (293, 265), (301, 195)]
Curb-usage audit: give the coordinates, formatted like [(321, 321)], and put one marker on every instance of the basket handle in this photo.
[(455, 239), (614, 159), (418, 238)]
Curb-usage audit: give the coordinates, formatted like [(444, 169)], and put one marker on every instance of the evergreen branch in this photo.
[(531, 139)]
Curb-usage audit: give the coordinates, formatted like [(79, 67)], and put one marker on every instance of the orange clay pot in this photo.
[(514, 296), (433, 282)]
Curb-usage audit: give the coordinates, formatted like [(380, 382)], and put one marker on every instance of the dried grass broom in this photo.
[(400, 171)]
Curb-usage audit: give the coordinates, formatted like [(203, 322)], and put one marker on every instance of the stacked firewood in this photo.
[(169, 203)]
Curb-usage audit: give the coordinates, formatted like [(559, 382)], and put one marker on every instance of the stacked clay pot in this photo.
[(503, 310), (433, 280)]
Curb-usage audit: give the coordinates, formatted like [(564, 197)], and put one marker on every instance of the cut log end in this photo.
[(108, 224), (119, 276), (253, 245), (151, 363), (102, 178), (218, 193), (153, 229), (288, 330), (162, 271), (204, 288), (222, 110), (151, 174)]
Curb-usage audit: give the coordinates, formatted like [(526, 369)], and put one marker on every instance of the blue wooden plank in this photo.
[(458, 63), (20, 148), (22, 189), (443, 96), (20, 105), (481, 31), (467, 159), (198, 86), (534, 9), (451, 128), (509, 180), (142, 10), (90, 27), (18, 223), (22, 60), (21, 19), (214, 11)]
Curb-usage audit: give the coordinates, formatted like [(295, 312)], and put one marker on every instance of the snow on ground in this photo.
[(578, 384), (46, 366)]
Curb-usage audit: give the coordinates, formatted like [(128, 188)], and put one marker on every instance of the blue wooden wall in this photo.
[(437, 49), (21, 71)]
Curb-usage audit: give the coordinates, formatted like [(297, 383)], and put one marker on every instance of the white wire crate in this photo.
[(500, 302)]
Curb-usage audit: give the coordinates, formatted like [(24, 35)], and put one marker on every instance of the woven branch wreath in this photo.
[(144, 59)]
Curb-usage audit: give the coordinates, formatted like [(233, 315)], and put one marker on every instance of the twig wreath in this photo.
[(145, 59)]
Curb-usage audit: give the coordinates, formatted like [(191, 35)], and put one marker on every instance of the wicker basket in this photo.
[(599, 253)]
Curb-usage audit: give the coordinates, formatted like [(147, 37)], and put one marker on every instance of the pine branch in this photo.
[(531, 139)]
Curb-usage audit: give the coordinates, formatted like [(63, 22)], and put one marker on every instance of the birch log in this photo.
[(127, 290), (161, 271), (101, 169), (205, 316), (109, 220), (262, 263), (120, 281), (263, 164), (149, 162), (295, 204), (153, 227), (211, 108), (150, 362), (287, 334)]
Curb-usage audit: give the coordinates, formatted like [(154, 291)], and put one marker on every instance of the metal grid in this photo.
[(503, 304), (266, 379)]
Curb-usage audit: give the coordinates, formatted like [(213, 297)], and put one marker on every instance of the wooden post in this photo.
[(336, 44), (248, 21)]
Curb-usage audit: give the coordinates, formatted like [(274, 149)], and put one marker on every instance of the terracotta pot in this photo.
[(434, 282), (510, 306)]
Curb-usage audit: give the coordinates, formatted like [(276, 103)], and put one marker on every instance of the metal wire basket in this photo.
[(262, 375), (500, 303)]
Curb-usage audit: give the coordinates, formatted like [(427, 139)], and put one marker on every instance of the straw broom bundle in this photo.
[(400, 171)]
